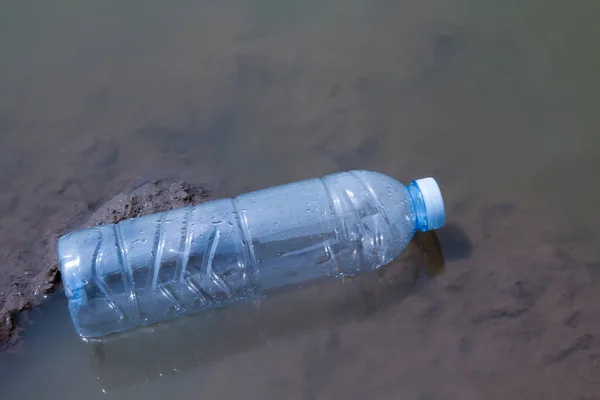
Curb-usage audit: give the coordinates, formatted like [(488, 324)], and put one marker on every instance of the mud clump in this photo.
[(25, 279), (148, 198)]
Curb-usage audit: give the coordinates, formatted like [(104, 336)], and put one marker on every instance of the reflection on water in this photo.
[(497, 101), (158, 351)]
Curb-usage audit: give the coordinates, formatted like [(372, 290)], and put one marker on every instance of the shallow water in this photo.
[(497, 100)]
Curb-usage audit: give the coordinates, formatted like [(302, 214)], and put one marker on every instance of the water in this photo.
[(497, 101), (161, 266)]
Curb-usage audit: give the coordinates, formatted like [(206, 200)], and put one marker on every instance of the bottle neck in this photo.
[(419, 207)]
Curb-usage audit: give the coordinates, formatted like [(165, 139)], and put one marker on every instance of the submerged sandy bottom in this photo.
[(498, 103)]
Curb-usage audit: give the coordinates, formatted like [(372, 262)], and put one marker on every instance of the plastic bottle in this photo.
[(149, 269)]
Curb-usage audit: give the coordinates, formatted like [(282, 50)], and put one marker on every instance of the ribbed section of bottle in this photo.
[(153, 268)]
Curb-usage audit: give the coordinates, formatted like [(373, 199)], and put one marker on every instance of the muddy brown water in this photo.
[(497, 100)]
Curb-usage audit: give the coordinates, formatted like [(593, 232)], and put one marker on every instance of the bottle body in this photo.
[(149, 269)]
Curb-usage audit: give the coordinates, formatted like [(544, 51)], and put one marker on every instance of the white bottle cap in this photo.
[(434, 202)]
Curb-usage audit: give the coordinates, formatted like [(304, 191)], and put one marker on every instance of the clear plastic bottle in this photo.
[(149, 269)]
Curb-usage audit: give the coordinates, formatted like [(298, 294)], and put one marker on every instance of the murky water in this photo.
[(497, 100)]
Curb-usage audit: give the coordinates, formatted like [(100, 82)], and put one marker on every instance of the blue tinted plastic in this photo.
[(149, 269)]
